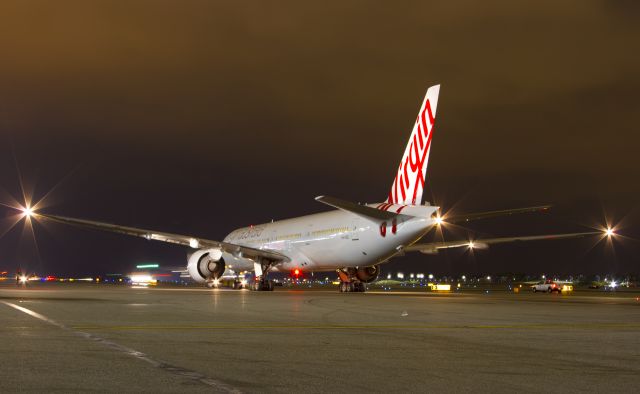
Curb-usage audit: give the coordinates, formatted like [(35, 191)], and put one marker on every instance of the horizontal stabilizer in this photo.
[(361, 210)]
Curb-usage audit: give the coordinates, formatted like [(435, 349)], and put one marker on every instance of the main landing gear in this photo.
[(261, 282), (349, 281), (352, 287)]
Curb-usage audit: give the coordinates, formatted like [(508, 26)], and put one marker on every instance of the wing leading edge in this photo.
[(184, 240)]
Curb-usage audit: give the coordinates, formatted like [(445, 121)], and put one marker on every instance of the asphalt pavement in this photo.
[(106, 338)]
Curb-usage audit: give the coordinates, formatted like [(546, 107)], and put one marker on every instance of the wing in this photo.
[(193, 242), (433, 247), (489, 214)]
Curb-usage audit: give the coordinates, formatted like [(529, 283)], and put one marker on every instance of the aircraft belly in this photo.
[(334, 253), (362, 251)]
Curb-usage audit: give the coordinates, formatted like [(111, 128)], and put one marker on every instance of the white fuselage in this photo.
[(331, 240)]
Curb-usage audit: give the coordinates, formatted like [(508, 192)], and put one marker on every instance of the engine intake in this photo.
[(368, 274), (206, 264)]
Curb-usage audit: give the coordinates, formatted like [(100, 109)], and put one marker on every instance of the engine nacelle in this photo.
[(368, 274), (206, 264)]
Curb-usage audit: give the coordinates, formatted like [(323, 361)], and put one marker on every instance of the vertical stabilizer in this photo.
[(408, 185)]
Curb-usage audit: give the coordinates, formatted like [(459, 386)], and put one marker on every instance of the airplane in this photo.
[(353, 239)]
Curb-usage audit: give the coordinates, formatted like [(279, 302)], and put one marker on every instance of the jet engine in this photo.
[(206, 264), (368, 274)]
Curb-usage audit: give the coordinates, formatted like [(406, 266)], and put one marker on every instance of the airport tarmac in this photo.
[(105, 338)]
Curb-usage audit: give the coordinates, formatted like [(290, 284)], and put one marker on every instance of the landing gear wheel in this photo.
[(267, 285), (263, 285), (352, 287)]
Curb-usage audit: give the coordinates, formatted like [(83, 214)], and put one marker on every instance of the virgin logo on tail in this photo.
[(409, 182)]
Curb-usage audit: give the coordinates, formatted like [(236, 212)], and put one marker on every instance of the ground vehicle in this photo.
[(550, 286)]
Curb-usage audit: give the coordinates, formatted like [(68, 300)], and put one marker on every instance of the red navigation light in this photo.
[(296, 272)]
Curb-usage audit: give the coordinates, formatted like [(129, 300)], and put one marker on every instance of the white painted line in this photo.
[(182, 372)]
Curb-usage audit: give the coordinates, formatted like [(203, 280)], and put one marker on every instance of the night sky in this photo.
[(198, 117)]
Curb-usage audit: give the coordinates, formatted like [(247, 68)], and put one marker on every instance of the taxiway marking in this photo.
[(182, 372), (533, 326)]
